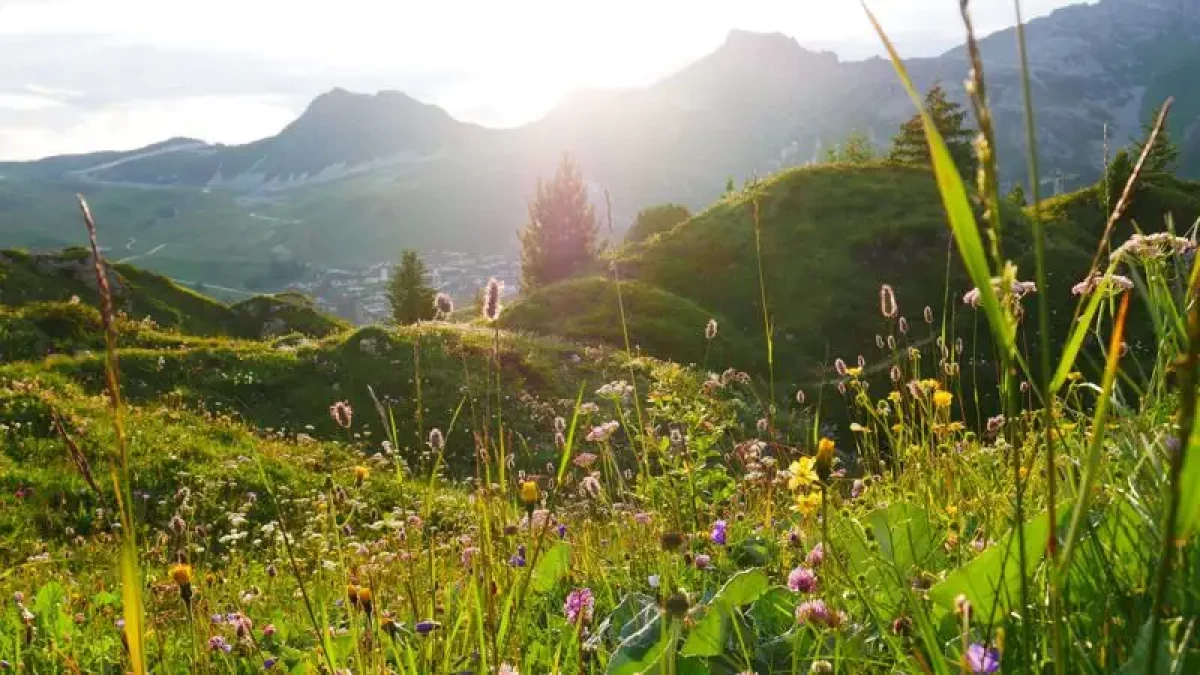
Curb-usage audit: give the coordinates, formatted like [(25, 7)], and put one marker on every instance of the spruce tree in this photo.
[(1164, 154), (409, 291), (910, 147), (560, 236)]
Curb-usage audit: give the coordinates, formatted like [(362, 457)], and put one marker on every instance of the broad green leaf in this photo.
[(551, 567), (992, 581), (956, 203), (743, 588), (903, 533), (751, 552), (640, 651), (693, 666), (774, 613), (708, 635), (1138, 661)]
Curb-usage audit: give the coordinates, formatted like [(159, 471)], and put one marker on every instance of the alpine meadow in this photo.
[(781, 364)]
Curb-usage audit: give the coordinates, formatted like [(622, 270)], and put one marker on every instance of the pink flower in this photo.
[(580, 605), (802, 580), (816, 556)]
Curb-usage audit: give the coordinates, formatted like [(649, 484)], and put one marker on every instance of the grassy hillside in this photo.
[(659, 322), (141, 294)]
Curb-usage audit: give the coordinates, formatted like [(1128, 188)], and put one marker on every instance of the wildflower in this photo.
[(360, 474), (710, 330), (854, 372), (491, 299), (590, 485), (1017, 290), (887, 302), (719, 534), (602, 433), (942, 399), (269, 662), (562, 531), (703, 561), (821, 667), (560, 425), (219, 643), (642, 518), (269, 630), (903, 326), (802, 473), (436, 440), (584, 460), (506, 669), (812, 612), (816, 556), (342, 414), (980, 659), (802, 580), (653, 580), (579, 606), (529, 492), (808, 504), (426, 626), (1110, 284), (1148, 246), (178, 525), (857, 488), (518, 559), (839, 366), (181, 574), (800, 396), (859, 429), (443, 304)]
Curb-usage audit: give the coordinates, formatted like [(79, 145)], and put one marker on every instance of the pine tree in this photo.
[(1164, 154), (1017, 195), (910, 147), (857, 149), (409, 291), (560, 236)]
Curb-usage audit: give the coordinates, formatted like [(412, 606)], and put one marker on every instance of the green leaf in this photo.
[(903, 533), (1189, 489), (551, 567), (774, 613), (743, 588), (707, 637), (992, 581), (751, 552), (1141, 653), (957, 204), (640, 651)]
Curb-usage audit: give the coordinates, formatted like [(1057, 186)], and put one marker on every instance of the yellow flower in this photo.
[(951, 510), (808, 504), (930, 384), (854, 372), (1024, 473), (360, 474), (803, 473), (943, 399), (529, 492), (1074, 376), (825, 448), (898, 427), (894, 397), (181, 574)]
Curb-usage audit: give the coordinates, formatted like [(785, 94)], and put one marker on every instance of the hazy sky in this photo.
[(84, 75)]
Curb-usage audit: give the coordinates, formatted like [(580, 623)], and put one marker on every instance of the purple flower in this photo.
[(269, 663), (802, 580), (719, 535), (857, 488), (980, 659), (703, 561), (579, 605), (426, 627), (269, 630), (518, 560), (816, 556), (217, 619), (812, 612), (219, 643), (562, 531)]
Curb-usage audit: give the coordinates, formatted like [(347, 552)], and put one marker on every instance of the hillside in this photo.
[(58, 277), (357, 177)]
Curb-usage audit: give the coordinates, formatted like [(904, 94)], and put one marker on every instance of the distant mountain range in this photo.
[(356, 177)]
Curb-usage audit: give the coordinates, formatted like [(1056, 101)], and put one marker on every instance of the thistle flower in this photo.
[(491, 299), (710, 330), (719, 534), (703, 561), (980, 659), (802, 580), (579, 606), (928, 314), (218, 643), (342, 414), (443, 305), (436, 440), (816, 556), (812, 612), (887, 302)]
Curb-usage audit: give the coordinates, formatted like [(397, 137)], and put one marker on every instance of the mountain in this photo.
[(356, 177)]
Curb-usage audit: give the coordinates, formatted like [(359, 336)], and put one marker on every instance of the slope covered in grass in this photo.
[(141, 294), (659, 322)]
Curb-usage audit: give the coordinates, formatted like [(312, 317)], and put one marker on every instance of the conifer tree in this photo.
[(910, 147), (1164, 154), (409, 291), (560, 236), (654, 219)]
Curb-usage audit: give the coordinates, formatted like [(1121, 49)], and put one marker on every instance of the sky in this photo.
[(87, 75)]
